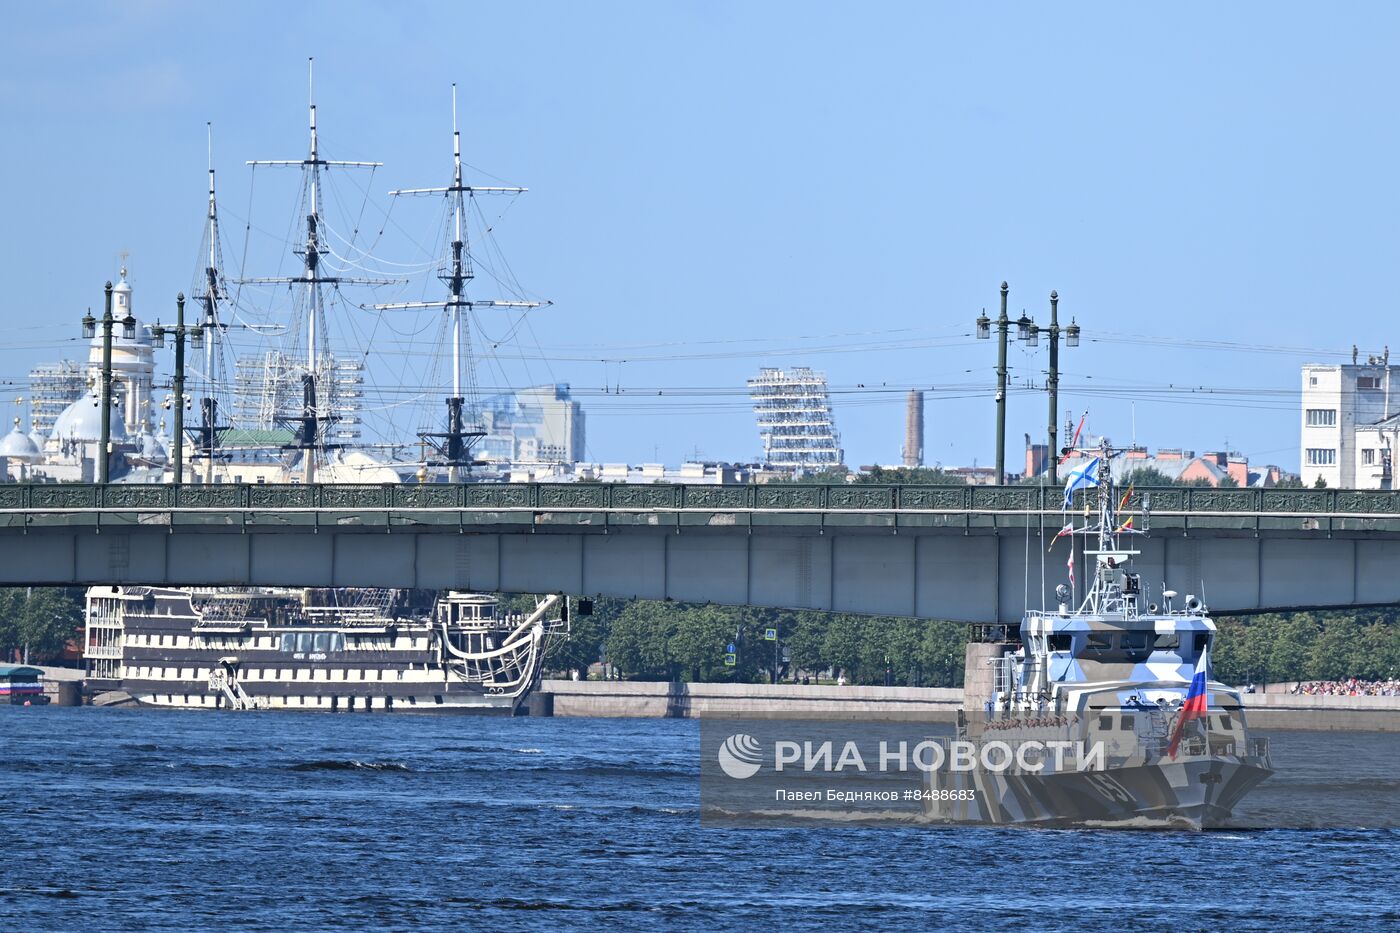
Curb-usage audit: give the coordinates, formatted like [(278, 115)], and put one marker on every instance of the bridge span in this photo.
[(975, 554)]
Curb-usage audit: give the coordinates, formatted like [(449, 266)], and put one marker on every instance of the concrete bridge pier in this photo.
[(988, 644)]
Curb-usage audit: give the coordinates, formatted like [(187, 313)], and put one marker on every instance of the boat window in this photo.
[(1225, 721), (1125, 724), (337, 642), (1105, 723), (1135, 641), (289, 642), (1202, 640), (1061, 641), (304, 641), (1167, 641), (1100, 641), (321, 641)]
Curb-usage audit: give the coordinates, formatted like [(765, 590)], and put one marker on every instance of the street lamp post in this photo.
[(196, 337), (984, 332), (1029, 333), (89, 331), (1052, 383)]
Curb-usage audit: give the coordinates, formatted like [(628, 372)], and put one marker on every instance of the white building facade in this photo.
[(1348, 428), (538, 426), (795, 423)]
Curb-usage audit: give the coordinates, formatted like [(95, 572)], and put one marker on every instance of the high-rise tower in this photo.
[(794, 419)]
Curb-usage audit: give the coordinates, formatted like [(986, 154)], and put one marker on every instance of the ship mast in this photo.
[(315, 417), (213, 327), (454, 444)]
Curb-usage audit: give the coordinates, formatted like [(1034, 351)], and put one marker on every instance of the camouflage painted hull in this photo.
[(1191, 793)]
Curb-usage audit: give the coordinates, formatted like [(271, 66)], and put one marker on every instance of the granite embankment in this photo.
[(927, 704)]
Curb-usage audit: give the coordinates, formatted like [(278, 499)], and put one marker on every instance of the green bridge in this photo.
[(973, 553)]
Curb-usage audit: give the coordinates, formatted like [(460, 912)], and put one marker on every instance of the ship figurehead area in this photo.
[(316, 649)]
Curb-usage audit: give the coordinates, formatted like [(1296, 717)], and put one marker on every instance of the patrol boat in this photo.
[(1094, 717)]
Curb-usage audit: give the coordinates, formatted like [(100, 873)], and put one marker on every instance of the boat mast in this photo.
[(213, 327), (459, 275), (314, 417), (454, 444)]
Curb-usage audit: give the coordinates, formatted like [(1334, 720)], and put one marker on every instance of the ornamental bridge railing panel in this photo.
[(781, 504)]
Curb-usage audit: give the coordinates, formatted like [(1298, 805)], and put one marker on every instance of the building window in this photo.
[(1322, 417), (1322, 456), (1312, 380), (1368, 382), (1368, 457)]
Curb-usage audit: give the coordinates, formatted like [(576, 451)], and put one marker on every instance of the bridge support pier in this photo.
[(979, 672)]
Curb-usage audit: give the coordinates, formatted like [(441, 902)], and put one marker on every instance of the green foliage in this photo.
[(653, 640), (1147, 476), (583, 646), (1320, 483), (832, 477), (41, 619), (878, 475), (911, 476), (1277, 648)]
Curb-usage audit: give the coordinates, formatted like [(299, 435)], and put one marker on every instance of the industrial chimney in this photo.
[(914, 430)]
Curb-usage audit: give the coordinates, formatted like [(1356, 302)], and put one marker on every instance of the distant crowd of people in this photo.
[(1348, 688)]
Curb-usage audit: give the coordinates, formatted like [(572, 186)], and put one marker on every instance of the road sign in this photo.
[(730, 649), (730, 659), (770, 634)]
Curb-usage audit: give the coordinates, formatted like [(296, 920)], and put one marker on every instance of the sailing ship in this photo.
[(327, 650), (334, 649), (1105, 714)]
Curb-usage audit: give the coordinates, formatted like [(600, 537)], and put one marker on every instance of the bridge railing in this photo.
[(673, 497)]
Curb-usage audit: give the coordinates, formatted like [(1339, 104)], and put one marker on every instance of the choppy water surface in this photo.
[(132, 819)]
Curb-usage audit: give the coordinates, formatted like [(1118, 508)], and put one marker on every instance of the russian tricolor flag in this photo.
[(1197, 701)]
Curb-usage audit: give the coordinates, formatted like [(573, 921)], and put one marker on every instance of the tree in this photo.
[(698, 642), (943, 653), (911, 476), (583, 646), (1332, 655), (806, 642), (1320, 483), (1147, 476), (39, 621), (1377, 652), (1292, 639), (639, 642), (844, 644)]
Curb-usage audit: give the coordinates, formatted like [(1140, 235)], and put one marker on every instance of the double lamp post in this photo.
[(180, 332), (1028, 332)]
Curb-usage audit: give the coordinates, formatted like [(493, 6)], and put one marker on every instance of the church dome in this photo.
[(82, 421), (19, 446), (152, 448), (355, 466)]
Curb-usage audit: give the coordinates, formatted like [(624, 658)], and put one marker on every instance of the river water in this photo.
[(124, 819)]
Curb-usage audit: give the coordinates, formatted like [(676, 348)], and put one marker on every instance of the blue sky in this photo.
[(720, 186)]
